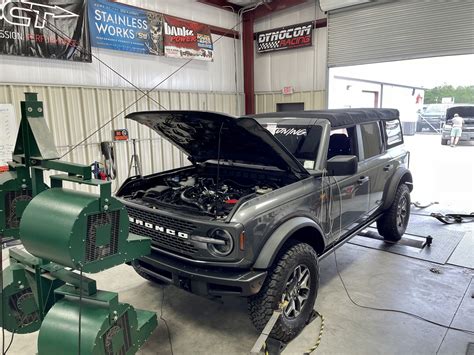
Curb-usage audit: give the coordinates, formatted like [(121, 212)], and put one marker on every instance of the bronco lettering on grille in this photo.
[(158, 228)]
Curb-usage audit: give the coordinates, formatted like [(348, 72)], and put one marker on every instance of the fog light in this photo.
[(223, 249)]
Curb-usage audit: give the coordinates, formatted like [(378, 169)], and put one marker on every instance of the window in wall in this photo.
[(290, 106), (371, 139)]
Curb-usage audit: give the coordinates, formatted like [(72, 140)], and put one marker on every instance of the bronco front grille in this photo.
[(161, 239)]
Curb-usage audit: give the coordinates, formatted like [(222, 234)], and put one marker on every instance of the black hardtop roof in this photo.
[(337, 118)]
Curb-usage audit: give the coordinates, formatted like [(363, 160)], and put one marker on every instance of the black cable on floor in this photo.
[(447, 327), (164, 320), (9, 345)]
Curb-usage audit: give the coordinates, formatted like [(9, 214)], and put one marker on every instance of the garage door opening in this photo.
[(424, 91)]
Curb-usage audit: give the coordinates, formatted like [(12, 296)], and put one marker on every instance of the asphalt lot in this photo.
[(441, 173)]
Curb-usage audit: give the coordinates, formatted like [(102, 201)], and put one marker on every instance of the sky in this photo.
[(427, 72)]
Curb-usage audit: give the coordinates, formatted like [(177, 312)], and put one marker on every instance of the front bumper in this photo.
[(202, 280)]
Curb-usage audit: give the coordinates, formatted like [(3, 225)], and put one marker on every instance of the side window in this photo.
[(371, 139), (393, 133), (342, 141)]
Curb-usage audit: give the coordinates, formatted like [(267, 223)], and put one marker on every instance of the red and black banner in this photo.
[(187, 39), (47, 29), (288, 37)]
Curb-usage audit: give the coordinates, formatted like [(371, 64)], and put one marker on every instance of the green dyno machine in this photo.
[(64, 230)]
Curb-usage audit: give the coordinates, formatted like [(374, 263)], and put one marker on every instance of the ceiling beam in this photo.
[(274, 6), (223, 4)]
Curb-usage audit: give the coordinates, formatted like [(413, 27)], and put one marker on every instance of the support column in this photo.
[(249, 57)]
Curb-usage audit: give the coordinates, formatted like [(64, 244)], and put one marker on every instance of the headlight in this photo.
[(221, 249)]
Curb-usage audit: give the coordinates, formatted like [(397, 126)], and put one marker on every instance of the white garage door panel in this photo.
[(400, 30)]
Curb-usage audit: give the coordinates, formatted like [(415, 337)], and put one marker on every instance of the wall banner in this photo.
[(125, 28), (187, 39), (54, 29), (289, 37)]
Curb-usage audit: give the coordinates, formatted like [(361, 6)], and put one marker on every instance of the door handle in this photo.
[(362, 180), (388, 167)]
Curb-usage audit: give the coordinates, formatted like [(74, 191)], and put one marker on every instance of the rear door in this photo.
[(373, 162)]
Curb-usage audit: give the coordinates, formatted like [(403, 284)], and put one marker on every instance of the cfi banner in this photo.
[(55, 29), (187, 39), (125, 28)]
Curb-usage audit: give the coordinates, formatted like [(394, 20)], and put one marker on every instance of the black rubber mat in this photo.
[(439, 252), (463, 255)]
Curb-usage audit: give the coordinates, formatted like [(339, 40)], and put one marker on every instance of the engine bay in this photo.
[(202, 192)]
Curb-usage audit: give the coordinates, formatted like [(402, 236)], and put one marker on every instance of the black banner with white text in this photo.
[(288, 37), (56, 29)]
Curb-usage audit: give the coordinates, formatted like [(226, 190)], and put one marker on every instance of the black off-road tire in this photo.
[(444, 142), (390, 226), (262, 305), (139, 270)]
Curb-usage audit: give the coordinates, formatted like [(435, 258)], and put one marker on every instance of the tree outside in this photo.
[(461, 94)]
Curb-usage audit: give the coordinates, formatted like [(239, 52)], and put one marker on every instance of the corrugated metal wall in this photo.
[(304, 68), (313, 100), (73, 113)]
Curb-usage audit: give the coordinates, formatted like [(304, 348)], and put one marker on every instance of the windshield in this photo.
[(301, 141)]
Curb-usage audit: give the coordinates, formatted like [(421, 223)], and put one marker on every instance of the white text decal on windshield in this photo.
[(291, 131)]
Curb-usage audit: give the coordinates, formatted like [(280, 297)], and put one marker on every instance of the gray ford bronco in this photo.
[(264, 198)]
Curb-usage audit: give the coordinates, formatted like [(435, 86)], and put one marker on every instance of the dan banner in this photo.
[(56, 29), (125, 28), (187, 39), (289, 37)]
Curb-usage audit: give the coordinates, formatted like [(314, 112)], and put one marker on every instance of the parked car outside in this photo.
[(467, 113), (264, 199)]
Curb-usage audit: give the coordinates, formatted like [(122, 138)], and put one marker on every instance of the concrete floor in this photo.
[(373, 278)]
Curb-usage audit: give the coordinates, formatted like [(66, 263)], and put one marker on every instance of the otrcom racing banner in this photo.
[(187, 39), (45, 28), (289, 37)]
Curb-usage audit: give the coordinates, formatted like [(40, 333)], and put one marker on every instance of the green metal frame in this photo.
[(43, 284)]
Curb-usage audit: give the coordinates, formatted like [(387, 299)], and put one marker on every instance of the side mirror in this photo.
[(342, 165)]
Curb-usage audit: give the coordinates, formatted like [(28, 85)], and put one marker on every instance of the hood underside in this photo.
[(241, 139), (466, 112)]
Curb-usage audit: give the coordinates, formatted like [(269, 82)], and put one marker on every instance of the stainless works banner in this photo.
[(289, 37), (187, 39), (125, 28), (55, 29)]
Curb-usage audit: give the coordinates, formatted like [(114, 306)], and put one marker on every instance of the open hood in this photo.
[(242, 139), (466, 112)]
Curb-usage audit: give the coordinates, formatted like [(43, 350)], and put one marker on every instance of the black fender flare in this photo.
[(401, 175), (273, 245)]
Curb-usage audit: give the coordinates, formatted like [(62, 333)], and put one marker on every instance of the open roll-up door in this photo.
[(400, 30)]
